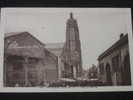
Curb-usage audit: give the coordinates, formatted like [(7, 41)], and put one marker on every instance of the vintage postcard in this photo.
[(66, 50)]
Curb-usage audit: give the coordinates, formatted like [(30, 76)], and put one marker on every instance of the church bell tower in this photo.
[(72, 49)]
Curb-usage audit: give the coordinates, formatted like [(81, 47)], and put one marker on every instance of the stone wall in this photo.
[(116, 76)]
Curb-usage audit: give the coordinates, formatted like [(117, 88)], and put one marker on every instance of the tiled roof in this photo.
[(16, 34), (115, 46)]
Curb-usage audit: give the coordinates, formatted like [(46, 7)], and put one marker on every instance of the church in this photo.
[(29, 62), (68, 52), (71, 54)]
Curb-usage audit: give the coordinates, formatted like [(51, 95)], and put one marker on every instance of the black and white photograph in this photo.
[(66, 48)]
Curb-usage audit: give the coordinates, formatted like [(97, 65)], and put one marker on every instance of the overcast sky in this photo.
[(99, 28)]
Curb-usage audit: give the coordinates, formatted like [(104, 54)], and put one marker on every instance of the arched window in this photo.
[(126, 73), (108, 74)]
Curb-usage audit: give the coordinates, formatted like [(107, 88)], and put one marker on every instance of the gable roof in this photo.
[(15, 34), (117, 44)]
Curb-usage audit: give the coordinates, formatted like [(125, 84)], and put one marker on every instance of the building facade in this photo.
[(71, 55), (114, 63), (27, 62), (57, 49)]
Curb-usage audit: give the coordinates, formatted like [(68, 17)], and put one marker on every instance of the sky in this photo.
[(99, 28)]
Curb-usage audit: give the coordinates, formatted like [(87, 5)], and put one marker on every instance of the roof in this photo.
[(30, 52), (15, 34), (11, 34), (49, 54), (115, 46), (54, 45), (55, 48)]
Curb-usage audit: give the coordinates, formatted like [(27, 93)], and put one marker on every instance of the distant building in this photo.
[(93, 72), (71, 55), (114, 63), (27, 62), (85, 73)]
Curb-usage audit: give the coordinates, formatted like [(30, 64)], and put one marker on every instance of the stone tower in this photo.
[(72, 50)]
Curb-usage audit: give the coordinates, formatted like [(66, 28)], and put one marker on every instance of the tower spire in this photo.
[(72, 49), (71, 15)]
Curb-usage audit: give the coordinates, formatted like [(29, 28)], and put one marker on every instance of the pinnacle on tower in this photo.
[(71, 15)]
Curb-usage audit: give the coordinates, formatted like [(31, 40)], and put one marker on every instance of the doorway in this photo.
[(108, 75)]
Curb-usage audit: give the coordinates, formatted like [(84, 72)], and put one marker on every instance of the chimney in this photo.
[(121, 35)]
